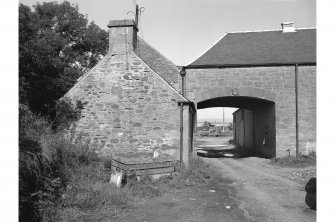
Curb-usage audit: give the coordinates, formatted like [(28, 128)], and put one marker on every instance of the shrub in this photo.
[(197, 173), (46, 163), (67, 113)]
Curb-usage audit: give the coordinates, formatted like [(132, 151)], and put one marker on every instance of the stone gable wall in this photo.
[(275, 84), (130, 110)]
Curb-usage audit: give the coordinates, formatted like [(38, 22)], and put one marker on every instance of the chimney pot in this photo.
[(287, 27)]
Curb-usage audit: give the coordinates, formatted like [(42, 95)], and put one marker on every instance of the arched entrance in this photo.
[(254, 122)]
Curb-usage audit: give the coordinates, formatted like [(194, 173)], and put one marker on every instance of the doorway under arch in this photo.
[(254, 124)]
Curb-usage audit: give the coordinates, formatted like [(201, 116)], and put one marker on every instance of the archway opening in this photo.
[(252, 133)]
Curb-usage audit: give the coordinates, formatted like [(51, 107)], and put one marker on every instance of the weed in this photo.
[(197, 173), (301, 161)]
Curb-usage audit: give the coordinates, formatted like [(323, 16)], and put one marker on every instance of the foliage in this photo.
[(67, 113), (300, 161), (56, 46), (197, 173), (89, 196), (46, 163)]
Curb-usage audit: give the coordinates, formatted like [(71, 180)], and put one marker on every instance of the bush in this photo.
[(197, 173), (46, 163), (66, 113)]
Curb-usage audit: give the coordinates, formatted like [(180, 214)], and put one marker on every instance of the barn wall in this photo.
[(307, 108), (274, 84), (130, 110)]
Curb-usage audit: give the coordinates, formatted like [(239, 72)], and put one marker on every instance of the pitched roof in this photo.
[(159, 63), (261, 48)]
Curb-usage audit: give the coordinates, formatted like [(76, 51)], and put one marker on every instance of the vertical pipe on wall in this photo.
[(181, 132), (182, 74), (297, 154)]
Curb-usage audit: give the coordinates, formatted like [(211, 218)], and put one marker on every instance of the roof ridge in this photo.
[(158, 53), (306, 28), (267, 30), (207, 49)]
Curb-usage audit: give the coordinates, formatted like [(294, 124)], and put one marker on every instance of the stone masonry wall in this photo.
[(271, 83), (130, 110), (307, 108)]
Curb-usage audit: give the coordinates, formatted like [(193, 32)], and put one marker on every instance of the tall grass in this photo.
[(63, 180), (46, 163)]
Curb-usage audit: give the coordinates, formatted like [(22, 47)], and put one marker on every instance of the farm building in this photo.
[(134, 110), (271, 73)]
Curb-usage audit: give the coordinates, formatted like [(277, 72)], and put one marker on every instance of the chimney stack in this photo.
[(287, 27), (122, 36)]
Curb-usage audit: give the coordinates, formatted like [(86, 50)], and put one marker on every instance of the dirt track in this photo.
[(243, 189), (265, 194)]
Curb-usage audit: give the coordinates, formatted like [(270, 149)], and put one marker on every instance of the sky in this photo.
[(182, 30)]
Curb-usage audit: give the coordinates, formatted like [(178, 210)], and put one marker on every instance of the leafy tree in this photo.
[(56, 46)]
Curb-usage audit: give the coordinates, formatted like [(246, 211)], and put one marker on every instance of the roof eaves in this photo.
[(217, 66)]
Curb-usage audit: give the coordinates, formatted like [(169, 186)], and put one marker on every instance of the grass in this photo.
[(89, 196), (63, 180), (292, 161)]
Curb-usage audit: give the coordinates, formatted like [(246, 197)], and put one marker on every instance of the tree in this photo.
[(57, 45)]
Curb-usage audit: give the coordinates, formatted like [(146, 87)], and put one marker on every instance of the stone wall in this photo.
[(130, 109), (307, 108), (275, 84)]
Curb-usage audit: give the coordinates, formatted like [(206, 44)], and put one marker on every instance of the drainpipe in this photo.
[(296, 112), (182, 74)]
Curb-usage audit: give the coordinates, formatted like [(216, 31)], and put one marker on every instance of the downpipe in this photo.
[(182, 74), (297, 154)]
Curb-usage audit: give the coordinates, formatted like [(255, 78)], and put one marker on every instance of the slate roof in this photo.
[(261, 48), (160, 64)]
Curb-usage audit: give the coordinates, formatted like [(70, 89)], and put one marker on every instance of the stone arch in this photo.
[(207, 94), (257, 105)]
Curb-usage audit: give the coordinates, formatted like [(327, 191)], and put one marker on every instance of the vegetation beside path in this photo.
[(61, 180)]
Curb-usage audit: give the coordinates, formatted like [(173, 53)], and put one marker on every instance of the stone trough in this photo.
[(123, 165)]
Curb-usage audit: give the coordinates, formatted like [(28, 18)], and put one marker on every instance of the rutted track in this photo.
[(264, 193)]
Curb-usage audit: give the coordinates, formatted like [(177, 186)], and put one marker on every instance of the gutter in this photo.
[(220, 66)]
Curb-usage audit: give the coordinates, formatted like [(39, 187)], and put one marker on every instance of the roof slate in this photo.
[(261, 48), (160, 64)]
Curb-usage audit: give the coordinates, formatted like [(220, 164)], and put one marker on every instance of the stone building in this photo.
[(272, 74), (133, 103)]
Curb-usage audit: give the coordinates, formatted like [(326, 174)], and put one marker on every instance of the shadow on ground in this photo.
[(224, 151)]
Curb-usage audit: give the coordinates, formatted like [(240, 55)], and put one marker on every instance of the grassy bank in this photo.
[(89, 196), (61, 180)]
